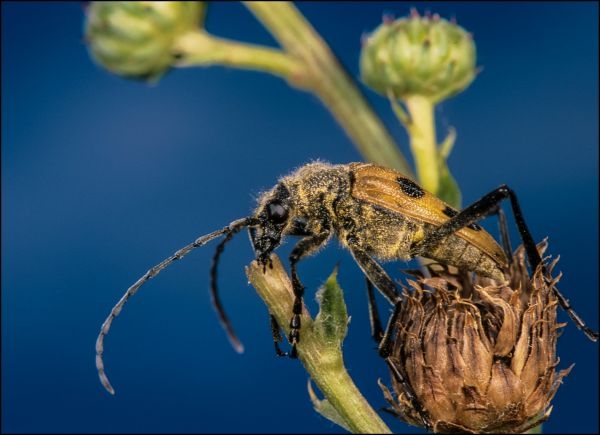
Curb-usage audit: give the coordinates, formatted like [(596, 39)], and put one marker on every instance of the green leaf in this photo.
[(332, 321), (448, 190)]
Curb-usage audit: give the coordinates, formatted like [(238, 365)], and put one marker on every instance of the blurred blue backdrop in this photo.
[(104, 177)]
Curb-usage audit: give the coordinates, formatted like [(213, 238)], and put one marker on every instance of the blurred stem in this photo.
[(202, 7), (329, 81), (423, 141), (323, 362), (306, 62), (199, 48)]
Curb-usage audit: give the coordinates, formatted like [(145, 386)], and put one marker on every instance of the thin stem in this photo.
[(328, 79), (446, 146), (324, 364), (423, 142), (399, 111), (199, 48)]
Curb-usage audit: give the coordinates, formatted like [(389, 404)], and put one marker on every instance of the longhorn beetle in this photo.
[(376, 213)]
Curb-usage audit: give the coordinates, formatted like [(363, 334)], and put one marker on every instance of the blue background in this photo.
[(103, 177)]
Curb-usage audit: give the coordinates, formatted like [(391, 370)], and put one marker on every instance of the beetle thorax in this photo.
[(314, 190)]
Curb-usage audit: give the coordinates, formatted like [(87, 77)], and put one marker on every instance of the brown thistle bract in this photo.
[(480, 357)]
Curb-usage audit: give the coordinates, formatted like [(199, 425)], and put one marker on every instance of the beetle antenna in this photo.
[(214, 291), (155, 270)]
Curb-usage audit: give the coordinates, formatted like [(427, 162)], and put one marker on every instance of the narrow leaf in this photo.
[(332, 321), (326, 409), (448, 189)]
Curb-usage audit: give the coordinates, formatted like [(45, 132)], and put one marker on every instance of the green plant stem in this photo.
[(330, 82), (199, 48), (306, 62), (324, 364), (423, 141)]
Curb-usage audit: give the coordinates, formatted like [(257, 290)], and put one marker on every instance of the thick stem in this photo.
[(423, 142), (324, 364), (329, 80)]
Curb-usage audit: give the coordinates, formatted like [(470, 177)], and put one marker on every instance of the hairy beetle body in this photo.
[(336, 199), (376, 213)]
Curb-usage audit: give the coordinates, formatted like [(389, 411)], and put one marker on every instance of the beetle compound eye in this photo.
[(277, 212)]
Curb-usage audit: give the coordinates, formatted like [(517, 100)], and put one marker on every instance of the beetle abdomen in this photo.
[(376, 230), (456, 251)]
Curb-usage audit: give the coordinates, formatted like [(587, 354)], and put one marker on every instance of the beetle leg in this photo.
[(504, 234), (376, 275), (376, 328), (276, 332), (374, 272), (385, 350), (484, 207), (303, 248), (408, 392), (386, 343)]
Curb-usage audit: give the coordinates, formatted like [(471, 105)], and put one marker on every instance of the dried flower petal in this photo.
[(480, 356)]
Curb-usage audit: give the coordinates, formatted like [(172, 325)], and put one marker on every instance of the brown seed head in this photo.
[(479, 356)]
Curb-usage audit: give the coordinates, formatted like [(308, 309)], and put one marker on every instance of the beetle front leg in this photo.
[(275, 332), (303, 248)]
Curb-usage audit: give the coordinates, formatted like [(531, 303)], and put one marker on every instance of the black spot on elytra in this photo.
[(410, 188), (450, 212)]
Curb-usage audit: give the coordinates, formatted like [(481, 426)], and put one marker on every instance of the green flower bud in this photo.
[(416, 55), (135, 39)]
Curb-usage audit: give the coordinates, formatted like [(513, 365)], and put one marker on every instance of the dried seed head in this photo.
[(480, 357)]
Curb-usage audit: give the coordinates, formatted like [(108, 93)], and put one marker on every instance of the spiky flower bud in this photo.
[(135, 39), (479, 357), (417, 55)]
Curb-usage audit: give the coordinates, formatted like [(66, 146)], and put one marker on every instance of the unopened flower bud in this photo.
[(479, 357), (135, 38), (417, 55)]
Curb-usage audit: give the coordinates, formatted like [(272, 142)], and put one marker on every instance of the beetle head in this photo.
[(272, 214)]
